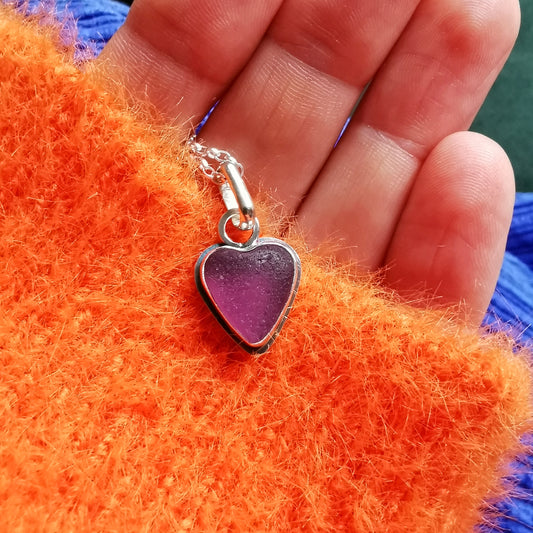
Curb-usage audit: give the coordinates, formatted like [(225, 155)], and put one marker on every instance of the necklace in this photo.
[(248, 286)]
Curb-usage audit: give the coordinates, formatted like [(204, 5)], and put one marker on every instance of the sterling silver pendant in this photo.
[(249, 287)]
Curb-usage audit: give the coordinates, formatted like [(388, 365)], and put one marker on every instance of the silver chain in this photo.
[(227, 173), (210, 159)]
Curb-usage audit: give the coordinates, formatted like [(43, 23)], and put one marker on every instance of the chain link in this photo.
[(220, 167), (210, 159)]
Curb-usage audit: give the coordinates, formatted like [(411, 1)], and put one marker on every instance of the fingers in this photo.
[(181, 56), (431, 85), (290, 72), (284, 113), (455, 244)]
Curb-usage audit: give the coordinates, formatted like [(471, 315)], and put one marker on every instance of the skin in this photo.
[(406, 190)]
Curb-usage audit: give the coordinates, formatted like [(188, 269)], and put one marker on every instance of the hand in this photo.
[(405, 189)]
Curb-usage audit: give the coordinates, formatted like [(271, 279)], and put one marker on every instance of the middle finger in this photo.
[(283, 114)]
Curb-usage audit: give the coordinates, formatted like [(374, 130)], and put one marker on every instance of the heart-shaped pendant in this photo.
[(250, 286), (249, 289)]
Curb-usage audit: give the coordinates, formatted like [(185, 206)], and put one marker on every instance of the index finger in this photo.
[(180, 56)]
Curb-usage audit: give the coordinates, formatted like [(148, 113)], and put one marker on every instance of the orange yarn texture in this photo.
[(125, 407)]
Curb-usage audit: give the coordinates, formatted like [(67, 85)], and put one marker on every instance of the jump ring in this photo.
[(226, 238)]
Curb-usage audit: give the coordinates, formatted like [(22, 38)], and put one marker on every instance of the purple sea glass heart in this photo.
[(250, 290)]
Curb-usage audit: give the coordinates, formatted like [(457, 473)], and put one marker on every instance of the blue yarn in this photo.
[(512, 302), (511, 307), (96, 20)]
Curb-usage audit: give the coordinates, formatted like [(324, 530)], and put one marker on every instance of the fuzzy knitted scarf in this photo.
[(125, 407)]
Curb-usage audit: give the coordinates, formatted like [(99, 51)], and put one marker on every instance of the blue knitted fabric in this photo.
[(511, 307), (92, 21)]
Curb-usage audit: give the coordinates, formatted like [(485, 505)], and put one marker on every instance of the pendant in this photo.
[(249, 287)]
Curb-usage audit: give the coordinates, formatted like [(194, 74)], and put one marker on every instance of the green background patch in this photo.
[(507, 114)]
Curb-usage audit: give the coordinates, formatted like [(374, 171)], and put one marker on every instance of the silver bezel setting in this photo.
[(264, 344)]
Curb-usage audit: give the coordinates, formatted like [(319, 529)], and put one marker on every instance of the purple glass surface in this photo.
[(250, 288)]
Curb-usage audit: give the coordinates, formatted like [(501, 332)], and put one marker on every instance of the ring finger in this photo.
[(431, 85)]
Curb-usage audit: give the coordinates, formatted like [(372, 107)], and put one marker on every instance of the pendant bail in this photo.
[(236, 196)]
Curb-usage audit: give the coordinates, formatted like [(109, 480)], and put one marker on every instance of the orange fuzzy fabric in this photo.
[(125, 407)]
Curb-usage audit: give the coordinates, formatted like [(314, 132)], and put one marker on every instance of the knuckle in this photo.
[(475, 27)]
